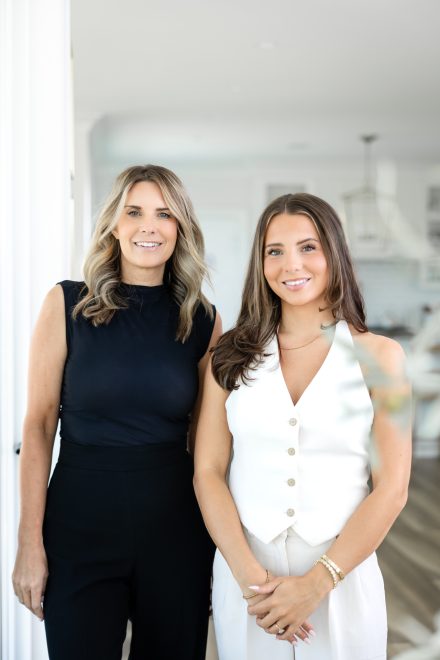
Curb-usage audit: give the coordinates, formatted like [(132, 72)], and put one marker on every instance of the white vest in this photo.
[(303, 466)]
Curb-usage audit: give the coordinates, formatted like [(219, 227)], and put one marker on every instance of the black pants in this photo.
[(125, 540)]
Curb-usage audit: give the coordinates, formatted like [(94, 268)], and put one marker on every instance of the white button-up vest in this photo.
[(307, 465)]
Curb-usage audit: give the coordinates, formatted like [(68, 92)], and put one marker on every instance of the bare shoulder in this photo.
[(53, 303), (387, 352), (50, 326)]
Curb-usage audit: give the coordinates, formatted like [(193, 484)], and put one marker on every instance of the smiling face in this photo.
[(147, 234), (295, 266)]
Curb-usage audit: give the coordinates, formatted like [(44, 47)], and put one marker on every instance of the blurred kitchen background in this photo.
[(245, 101)]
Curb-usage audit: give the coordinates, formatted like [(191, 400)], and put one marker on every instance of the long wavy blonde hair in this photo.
[(184, 271)]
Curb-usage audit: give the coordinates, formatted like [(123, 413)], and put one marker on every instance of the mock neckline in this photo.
[(142, 291)]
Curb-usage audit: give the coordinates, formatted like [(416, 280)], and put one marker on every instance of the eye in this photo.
[(163, 214), (273, 252), (134, 213), (309, 247)]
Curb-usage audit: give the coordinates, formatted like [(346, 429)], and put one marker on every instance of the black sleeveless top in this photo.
[(130, 382)]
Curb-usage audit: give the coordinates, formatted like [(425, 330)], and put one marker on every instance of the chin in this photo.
[(299, 299), (150, 261)]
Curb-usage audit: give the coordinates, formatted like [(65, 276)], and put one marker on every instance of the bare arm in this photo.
[(202, 366), (46, 363), (212, 456), (369, 524), (391, 444)]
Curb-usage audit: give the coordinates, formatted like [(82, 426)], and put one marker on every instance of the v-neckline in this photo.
[(321, 368)]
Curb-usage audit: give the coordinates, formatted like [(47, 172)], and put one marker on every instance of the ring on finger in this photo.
[(280, 630)]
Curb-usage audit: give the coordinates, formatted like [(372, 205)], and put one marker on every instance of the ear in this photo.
[(115, 233)]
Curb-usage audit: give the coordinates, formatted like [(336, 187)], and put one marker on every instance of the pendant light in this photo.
[(368, 213)]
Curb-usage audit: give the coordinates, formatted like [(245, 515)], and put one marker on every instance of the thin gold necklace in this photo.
[(295, 348)]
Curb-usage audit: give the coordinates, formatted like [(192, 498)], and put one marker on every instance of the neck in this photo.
[(303, 321), (142, 276)]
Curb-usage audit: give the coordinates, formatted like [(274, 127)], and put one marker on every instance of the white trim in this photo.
[(34, 217)]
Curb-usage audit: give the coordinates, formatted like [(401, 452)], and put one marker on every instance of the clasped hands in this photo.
[(283, 604)]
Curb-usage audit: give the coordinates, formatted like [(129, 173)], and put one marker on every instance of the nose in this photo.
[(147, 227), (293, 261)]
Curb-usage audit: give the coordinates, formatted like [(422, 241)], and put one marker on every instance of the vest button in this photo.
[(293, 421), (290, 482), (291, 451), (290, 512)]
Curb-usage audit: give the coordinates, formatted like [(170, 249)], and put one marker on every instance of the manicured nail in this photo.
[(294, 642), (307, 641), (312, 633)]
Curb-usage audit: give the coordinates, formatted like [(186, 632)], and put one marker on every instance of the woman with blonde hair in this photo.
[(118, 358), (307, 404)]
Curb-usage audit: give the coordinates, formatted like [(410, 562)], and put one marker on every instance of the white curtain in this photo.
[(36, 218)]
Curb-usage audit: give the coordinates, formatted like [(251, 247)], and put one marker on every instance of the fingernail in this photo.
[(307, 641), (294, 642), (254, 587), (312, 633)]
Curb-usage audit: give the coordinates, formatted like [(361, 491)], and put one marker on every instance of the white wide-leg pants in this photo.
[(350, 623)]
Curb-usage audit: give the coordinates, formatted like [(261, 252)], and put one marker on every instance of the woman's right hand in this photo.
[(303, 633), (30, 576)]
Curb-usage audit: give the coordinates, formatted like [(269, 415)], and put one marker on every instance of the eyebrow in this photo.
[(304, 240), (139, 208)]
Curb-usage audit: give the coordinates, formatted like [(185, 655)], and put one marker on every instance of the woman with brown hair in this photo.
[(282, 476), (118, 358)]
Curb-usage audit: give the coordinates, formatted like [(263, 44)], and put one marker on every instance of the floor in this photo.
[(410, 562)]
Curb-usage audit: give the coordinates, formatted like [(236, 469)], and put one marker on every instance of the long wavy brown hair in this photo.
[(184, 271), (241, 350)]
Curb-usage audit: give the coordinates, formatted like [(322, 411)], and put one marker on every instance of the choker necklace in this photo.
[(295, 348)]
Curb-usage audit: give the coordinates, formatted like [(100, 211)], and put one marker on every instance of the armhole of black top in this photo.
[(67, 290), (214, 311), (207, 330)]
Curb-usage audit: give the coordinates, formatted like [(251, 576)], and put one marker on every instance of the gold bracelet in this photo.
[(334, 566), (332, 572), (256, 594)]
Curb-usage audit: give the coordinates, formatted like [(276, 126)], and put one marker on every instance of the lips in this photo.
[(296, 283), (148, 245)]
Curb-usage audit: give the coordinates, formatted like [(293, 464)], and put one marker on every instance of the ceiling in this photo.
[(201, 79)]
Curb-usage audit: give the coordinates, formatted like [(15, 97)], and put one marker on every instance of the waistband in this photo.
[(147, 457)]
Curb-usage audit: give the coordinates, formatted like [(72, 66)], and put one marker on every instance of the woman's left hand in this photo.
[(289, 602)]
